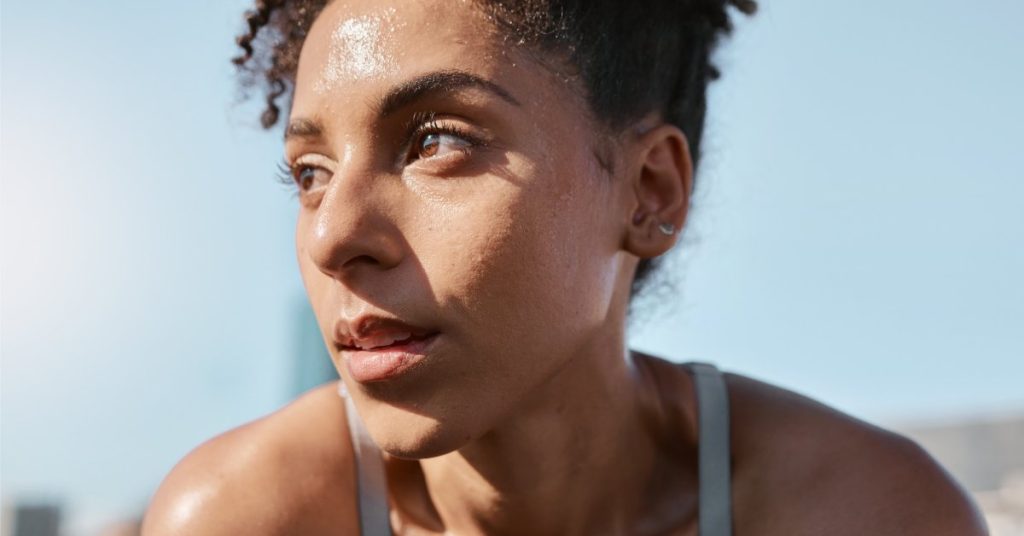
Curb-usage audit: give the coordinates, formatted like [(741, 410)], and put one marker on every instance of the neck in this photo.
[(574, 457)]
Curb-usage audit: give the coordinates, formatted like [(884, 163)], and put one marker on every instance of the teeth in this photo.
[(381, 340)]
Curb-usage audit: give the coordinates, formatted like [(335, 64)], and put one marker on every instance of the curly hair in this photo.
[(633, 57)]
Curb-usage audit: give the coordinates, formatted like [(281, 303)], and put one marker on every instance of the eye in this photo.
[(304, 176), (435, 144), (430, 136)]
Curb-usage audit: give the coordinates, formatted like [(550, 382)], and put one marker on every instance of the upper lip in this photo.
[(371, 331)]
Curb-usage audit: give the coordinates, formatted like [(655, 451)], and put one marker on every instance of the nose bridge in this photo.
[(353, 226)]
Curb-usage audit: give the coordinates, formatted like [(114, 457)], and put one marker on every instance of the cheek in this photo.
[(520, 259), (317, 284), (302, 257), (471, 251)]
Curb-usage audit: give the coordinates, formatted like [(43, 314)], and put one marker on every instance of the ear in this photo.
[(661, 176)]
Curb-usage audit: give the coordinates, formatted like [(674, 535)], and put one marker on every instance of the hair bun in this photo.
[(747, 7)]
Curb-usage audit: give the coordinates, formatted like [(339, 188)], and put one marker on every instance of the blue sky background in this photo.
[(858, 233)]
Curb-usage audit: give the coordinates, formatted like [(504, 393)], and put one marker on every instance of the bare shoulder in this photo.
[(801, 467), (290, 472)]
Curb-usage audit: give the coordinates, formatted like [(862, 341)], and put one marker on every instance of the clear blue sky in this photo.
[(858, 236)]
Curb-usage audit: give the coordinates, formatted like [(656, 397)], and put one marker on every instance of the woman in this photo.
[(484, 186)]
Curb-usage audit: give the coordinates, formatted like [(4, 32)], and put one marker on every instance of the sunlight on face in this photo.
[(448, 181), (358, 50)]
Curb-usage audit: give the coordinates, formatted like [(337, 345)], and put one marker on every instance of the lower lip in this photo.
[(387, 362)]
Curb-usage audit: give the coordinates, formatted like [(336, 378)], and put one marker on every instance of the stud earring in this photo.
[(667, 228)]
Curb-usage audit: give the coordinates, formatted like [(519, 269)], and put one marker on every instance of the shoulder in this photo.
[(801, 467), (288, 473)]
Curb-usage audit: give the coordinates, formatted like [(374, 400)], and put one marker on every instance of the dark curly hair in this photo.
[(633, 57)]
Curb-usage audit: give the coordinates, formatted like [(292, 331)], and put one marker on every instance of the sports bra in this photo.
[(714, 509)]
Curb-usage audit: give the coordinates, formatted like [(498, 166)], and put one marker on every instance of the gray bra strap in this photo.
[(715, 500), (374, 517), (715, 506)]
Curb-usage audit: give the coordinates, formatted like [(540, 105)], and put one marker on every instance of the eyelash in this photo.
[(419, 125), (424, 123), (286, 174)]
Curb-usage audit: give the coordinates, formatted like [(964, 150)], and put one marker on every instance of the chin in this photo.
[(408, 435)]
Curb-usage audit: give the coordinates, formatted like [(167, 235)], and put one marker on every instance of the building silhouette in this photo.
[(32, 519), (987, 457)]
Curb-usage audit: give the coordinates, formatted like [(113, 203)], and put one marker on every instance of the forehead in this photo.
[(354, 49)]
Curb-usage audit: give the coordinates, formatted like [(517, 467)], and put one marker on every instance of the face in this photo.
[(449, 183)]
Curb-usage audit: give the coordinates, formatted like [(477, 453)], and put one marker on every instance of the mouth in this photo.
[(386, 356), (385, 340)]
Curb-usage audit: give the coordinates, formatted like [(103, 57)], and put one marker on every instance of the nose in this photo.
[(353, 229)]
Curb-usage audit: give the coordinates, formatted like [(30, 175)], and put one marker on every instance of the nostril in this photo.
[(361, 259)]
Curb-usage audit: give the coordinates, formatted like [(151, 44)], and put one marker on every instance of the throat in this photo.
[(586, 464)]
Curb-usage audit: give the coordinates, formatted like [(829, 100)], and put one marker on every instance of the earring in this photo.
[(667, 228)]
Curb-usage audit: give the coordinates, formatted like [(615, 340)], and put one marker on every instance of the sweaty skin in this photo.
[(449, 180), (358, 50)]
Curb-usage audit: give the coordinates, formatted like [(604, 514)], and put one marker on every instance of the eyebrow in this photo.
[(407, 93), (438, 82), (303, 128)]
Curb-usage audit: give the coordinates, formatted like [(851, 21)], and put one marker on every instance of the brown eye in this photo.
[(308, 177), (433, 144), (429, 145)]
